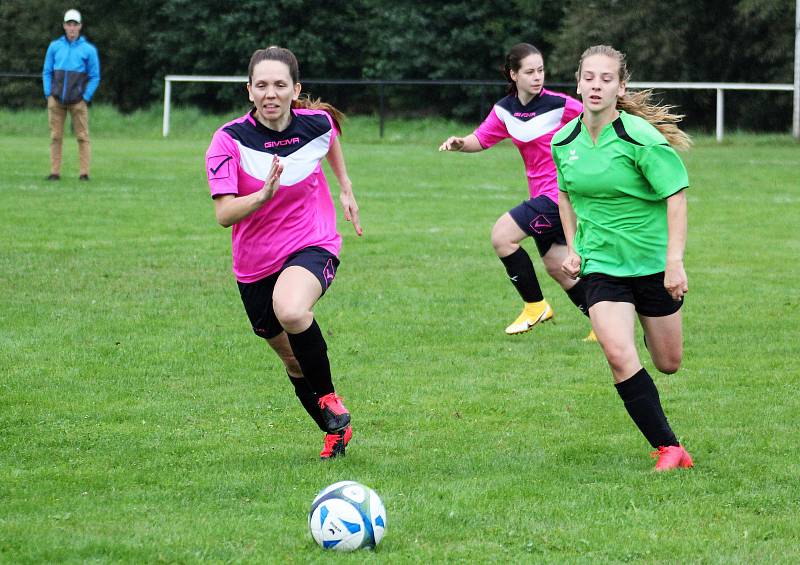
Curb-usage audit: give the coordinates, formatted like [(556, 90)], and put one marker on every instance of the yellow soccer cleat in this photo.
[(591, 338), (532, 314)]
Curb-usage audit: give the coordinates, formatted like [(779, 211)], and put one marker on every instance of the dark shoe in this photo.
[(334, 414), (53, 177), (83, 177), (335, 443)]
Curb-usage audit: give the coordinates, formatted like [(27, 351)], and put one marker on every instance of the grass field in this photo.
[(141, 421)]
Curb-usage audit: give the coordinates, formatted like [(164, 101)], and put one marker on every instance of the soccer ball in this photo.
[(347, 516)]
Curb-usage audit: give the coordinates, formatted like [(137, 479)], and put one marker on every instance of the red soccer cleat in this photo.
[(336, 416), (335, 443), (672, 457)]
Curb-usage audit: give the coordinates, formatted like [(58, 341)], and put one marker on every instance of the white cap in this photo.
[(72, 16)]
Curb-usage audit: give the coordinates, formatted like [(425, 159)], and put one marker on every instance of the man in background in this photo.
[(70, 76)]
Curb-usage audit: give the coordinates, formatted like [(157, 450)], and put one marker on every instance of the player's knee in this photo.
[(554, 270), (499, 242), (619, 357), (502, 243), (668, 365), (290, 315)]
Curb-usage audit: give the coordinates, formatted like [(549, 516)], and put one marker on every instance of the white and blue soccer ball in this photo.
[(347, 516)]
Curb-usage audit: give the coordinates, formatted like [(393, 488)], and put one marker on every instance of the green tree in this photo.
[(683, 40), (712, 40), (30, 27), (187, 41), (456, 40)]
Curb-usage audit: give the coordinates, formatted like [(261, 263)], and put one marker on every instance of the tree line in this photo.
[(682, 40)]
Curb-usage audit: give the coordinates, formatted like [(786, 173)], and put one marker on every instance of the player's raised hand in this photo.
[(572, 265), (350, 207), (452, 143), (273, 179)]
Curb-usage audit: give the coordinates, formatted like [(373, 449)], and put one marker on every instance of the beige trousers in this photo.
[(57, 116)]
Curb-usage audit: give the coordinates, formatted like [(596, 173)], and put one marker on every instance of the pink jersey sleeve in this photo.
[(222, 165), (491, 131), (334, 127), (572, 109)]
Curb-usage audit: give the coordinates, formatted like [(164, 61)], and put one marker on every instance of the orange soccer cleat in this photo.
[(335, 415), (335, 443), (672, 457)]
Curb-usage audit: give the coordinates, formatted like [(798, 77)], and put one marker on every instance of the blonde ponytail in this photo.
[(659, 115)]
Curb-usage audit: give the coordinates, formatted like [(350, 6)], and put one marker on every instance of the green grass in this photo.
[(141, 421)]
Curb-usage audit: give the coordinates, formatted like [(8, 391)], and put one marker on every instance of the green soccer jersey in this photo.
[(618, 188)]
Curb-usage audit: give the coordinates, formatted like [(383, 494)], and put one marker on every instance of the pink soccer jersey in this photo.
[(301, 214), (531, 127)]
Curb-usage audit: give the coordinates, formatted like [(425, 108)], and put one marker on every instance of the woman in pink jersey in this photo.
[(265, 175), (529, 115)]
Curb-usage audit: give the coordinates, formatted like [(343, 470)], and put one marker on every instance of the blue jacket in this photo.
[(71, 70)]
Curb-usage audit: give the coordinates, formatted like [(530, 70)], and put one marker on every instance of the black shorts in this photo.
[(257, 296), (646, 293), (538, 217)]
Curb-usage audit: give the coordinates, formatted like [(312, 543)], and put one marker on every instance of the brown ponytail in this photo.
[(304, 102)]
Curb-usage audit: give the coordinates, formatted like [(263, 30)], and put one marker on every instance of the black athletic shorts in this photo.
[(646, 293), (538, 217), (257, 296)]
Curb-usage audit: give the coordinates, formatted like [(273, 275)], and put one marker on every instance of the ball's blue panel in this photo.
[(369, 535), (323, 513), (351, 527)]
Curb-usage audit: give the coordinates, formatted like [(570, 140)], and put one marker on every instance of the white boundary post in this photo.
[(167, 97), (169, 79), (796, 111), (720, 87)]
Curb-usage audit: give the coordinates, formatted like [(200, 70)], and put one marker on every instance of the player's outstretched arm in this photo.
[(346, 196), (231, 209), (468, 144)]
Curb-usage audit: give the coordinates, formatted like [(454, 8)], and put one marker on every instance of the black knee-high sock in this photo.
[(578, 296), (311, 352), (520, 270), (640, 395), (308, 399)]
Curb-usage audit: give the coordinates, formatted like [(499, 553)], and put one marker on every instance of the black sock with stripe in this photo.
[(520, 270), (578, 296)]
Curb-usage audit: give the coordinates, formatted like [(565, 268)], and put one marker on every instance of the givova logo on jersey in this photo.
[(282, 143)]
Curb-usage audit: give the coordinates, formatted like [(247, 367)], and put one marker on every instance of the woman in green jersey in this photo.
[(623, 209)]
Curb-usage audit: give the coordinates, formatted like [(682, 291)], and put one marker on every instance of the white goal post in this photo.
[(720, 87), (796, 111)]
